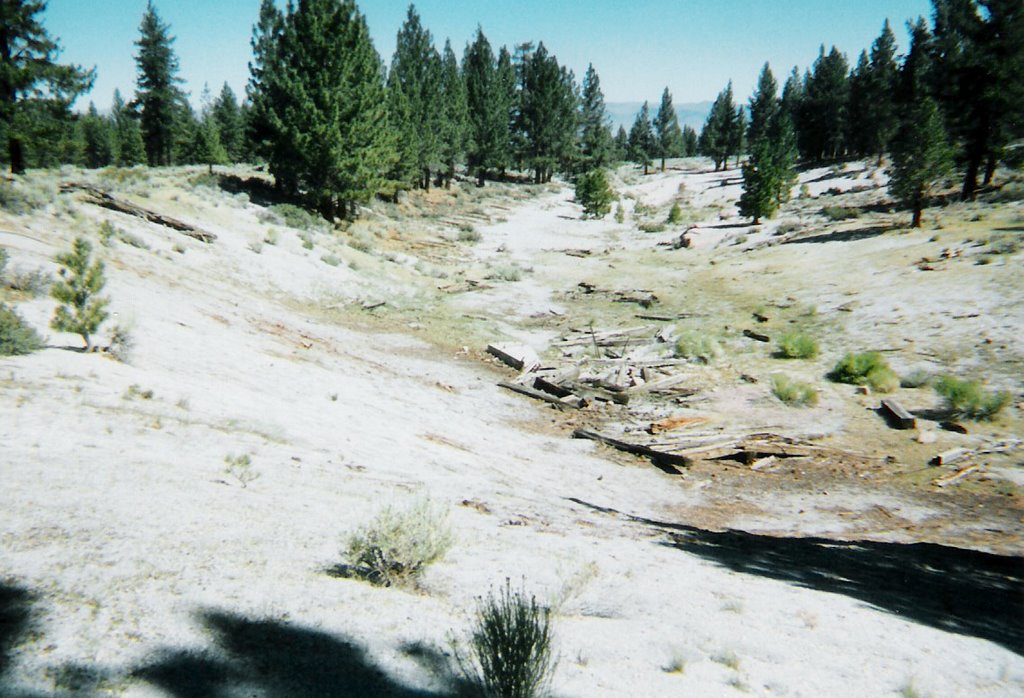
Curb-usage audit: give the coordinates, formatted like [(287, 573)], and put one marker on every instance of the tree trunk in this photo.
[(990, 170), (17, 153), (916, 221), (662, 163), (970, 178)]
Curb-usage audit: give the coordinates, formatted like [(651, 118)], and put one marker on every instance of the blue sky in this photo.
[(638, 47)]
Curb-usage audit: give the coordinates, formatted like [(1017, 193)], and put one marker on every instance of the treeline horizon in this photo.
[(335, 126)]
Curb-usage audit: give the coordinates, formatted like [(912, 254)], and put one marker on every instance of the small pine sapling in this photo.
[(82, 310)]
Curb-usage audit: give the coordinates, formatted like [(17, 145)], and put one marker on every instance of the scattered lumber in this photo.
[(955, 477), (677, 422), (644, 299), (568, 401), (750, 334), (636, 449), (664, 385), (577, 253), (950, 456), (556, 382), (101, 198), (897, 415), (519, 357)]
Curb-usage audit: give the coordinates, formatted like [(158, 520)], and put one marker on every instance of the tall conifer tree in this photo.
[(454, 117), (416, 71), (158, 98), (33, 85), (642, 139), (488, 114), (669, 138), (595, 134)]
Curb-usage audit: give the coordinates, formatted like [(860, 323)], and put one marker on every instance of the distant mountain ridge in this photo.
[(692, 114)]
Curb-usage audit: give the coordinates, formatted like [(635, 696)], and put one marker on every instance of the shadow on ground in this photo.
[(842, 235), (953, 589), (274, 659), (266, 658)]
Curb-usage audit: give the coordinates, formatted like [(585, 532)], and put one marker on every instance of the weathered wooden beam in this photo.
[(897, 415), (569, 401), (521, 358), (659, 457), (956, 477), (950, 456)]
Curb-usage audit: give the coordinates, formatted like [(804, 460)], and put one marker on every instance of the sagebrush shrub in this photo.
[(967, 398), (398, 544), (867, 368), (675, 214), (16, 336), (793, 393), (510, 652), (796, 345), (693, 345)]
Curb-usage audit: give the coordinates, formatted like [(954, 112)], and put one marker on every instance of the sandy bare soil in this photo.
[(132, 563)]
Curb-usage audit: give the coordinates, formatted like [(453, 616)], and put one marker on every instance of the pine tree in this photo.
[(323, 107), (416, 71), (33, 85), (858, 127), (129, 150), (824, 107), (979, 60), (594, 193), (488, 109), (668, 137), (689, 141), (595, 133), (642, 139), (82, 310), (621, 144), (263, 121), (764, 104), (230, 126), (547, 113), (204, 146), (769, 174), (722, 134), (158, 97), (454, 117), (98, 141), (921, 157), (882, 119)]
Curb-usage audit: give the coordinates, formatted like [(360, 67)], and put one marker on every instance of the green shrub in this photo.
[(330, 259), (868, 368), (16, 336), (969, 399), (795, 345), (693, 345), (675, 214), (81, 308), (620, 214), (509, 647), (652, 227), (4, 257), (506, 272), (20, 197), (295, 217), (916, 379), (594, 194), (396, 546), (793, 393), (841, 213), (468, 233)]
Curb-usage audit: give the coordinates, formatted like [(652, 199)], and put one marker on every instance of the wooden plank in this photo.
[(750, 334), (636, 449), (521, 358), (956, 477), (677, 422), (555, 383), (660, 385), (576, 403), (950, 456), (897, 415)]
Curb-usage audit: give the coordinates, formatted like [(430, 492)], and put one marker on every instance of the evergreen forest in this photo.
[(335, 125)]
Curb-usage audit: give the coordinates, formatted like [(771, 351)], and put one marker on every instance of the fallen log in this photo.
[(101, 198), (568, 401), (897, 415), (555, 383), (750, 334), (659, 457)]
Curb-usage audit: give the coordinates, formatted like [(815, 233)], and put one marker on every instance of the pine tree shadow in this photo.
[(961, 591), (280, 660), (15, 621), (842, 235)]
